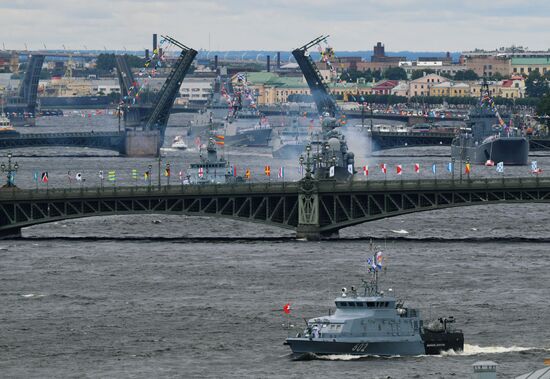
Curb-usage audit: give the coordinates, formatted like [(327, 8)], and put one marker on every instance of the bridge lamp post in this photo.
[(150, 167), (302, 165), (308, 161), (10, 171), (453, 169)]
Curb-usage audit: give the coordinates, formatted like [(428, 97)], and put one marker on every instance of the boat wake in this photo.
[(480, 350)]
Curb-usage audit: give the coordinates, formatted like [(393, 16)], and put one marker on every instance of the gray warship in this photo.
[(487, 139), (211, 169), (373, 323)]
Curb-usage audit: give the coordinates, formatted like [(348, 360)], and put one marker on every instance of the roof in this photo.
[(543, 373), (386, 84), (530, 61), (422, 78)]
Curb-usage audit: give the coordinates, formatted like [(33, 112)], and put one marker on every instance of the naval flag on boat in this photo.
[(500, 167), (331, 171), (286, 308)]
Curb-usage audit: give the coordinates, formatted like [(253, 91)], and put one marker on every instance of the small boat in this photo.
[(6, 128), (179, 143), (373, 323)]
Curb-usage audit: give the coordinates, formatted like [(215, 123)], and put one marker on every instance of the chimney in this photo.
[(278, 60), (215, 62), (268, 63), (154, 42)]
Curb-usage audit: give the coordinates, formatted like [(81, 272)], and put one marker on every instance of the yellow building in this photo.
[(450, 89), (524, 66), (270, 88)]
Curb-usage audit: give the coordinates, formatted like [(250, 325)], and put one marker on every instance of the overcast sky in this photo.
[(417, 25)]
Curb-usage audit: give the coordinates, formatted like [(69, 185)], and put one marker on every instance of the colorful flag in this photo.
[(500, 167), (286, 308), (235, 171), (181, 175), (267, 170), (416, 168), (450, 166), (201, 172), (384, 168), (467, 168), (331, 171), (350, 169), (366, 170), (44, 177), (398, 169), (281, 173), (111, 175), (146, 175), (167, 170), (78, 176), (134, 174), (378, 259), (434, 168), (247, 174), (534, 168)]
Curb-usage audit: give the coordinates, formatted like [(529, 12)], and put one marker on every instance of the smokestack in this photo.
[(146, 53), (215, 62), (268, 63), (154, 41), (278, 60)]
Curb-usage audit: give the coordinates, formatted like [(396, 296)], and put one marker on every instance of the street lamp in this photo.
[(149, 176), (10, 171)]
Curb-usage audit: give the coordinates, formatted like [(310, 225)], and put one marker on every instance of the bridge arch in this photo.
[(331, 206)]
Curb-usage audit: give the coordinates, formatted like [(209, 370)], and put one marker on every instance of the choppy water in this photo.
[(170, 296)]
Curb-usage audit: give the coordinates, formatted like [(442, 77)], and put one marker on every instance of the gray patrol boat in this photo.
[(373, 323)]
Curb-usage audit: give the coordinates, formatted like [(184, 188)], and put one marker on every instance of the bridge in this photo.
[(314, 209), (393, 140), (97, 140)]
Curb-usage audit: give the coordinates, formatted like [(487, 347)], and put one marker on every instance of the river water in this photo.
[(176, 296)]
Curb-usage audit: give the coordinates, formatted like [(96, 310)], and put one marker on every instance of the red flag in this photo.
[(267, 170), (286, 308), (416, 168), (366, 170), (399, 169), (384, 168)]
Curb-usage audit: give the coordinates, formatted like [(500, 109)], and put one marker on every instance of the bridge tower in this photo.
[(26, 99), (150, 138)]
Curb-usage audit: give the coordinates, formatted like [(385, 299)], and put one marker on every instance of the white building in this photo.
[(196, 89)]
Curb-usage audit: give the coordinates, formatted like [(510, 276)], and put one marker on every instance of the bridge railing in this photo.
[(435, 184), (109, 191)]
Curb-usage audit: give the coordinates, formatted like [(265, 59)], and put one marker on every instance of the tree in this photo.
[(420, 73), (466, 75), (395, 73), (105, 62), (543, 107), (536, 85)]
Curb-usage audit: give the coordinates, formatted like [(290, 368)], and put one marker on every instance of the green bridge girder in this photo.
[(313, 209)]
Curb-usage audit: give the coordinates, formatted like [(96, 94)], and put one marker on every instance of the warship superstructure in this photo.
[(210, 169), (487, 138), (373, 323)]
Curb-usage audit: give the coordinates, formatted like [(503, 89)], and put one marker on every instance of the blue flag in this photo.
[(450, 166), (434, 168)]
